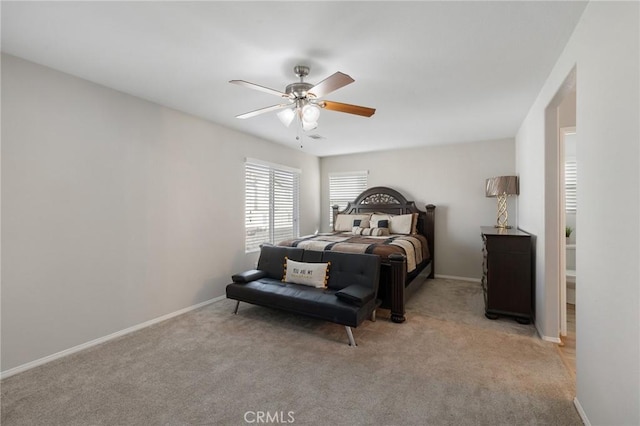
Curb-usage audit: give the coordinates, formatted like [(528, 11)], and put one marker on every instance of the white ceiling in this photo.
[(437, 72)]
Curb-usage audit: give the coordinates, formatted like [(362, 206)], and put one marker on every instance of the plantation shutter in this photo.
[(285, 205), (271, 203), (571, 186), (345, 187), (257, 205)]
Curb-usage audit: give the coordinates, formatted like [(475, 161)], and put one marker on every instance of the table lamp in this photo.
[(501, 187)]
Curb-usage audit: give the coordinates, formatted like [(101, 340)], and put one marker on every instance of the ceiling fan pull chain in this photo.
[(298, 128)]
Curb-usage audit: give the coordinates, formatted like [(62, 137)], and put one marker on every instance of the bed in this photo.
[(406, 247)]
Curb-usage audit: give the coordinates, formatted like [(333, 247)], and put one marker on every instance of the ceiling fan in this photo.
[(303, 99)]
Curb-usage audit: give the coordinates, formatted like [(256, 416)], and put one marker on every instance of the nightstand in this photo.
[(507, 274)]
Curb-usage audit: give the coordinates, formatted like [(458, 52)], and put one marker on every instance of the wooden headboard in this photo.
[(387, 200)]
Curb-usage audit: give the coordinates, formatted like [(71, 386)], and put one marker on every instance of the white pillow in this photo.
[(378, 220), (344, 222), (311, 274), (402, 224)]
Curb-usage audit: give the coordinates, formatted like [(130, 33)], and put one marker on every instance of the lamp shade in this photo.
[(306, 126), (310, 113), (502, 185), (286, 116)]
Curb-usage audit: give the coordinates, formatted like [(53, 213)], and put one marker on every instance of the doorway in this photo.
[(560, 113), (568, 184), (568, 280)]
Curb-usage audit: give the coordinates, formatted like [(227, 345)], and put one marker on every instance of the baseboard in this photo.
[(453, 277), (581, 413), (547, 338), (61, 354)]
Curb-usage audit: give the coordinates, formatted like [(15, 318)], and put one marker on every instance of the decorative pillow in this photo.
[(375, 232), (311, 274), (344, 222), (380, 220), (361, 223), (403, 224), (414, 226)]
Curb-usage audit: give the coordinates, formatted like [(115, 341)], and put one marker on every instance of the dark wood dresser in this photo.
[(507, 274)]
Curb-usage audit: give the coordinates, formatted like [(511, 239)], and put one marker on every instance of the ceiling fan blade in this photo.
[(329, 84), (348, 108), (262, 111), (258, 87)]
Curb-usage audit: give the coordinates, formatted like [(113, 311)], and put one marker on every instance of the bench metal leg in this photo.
[(352, 342), (235, 311), (373, 316)]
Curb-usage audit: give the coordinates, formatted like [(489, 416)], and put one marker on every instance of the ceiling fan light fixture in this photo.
[(286, 116), (306, 126), (310, 113)]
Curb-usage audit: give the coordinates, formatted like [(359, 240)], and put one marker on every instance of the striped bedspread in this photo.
[(414, 247)]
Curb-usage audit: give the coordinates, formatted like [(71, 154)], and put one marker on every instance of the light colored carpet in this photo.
[(447, 365)]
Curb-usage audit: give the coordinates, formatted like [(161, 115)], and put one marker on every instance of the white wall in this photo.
[(116, 211), (453, 178), (605, 51)]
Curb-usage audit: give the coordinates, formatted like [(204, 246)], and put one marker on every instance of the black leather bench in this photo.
[(348, 298)]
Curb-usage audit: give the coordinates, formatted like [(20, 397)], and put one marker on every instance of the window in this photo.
[(570, 185), (271, 203), (345, 187)]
